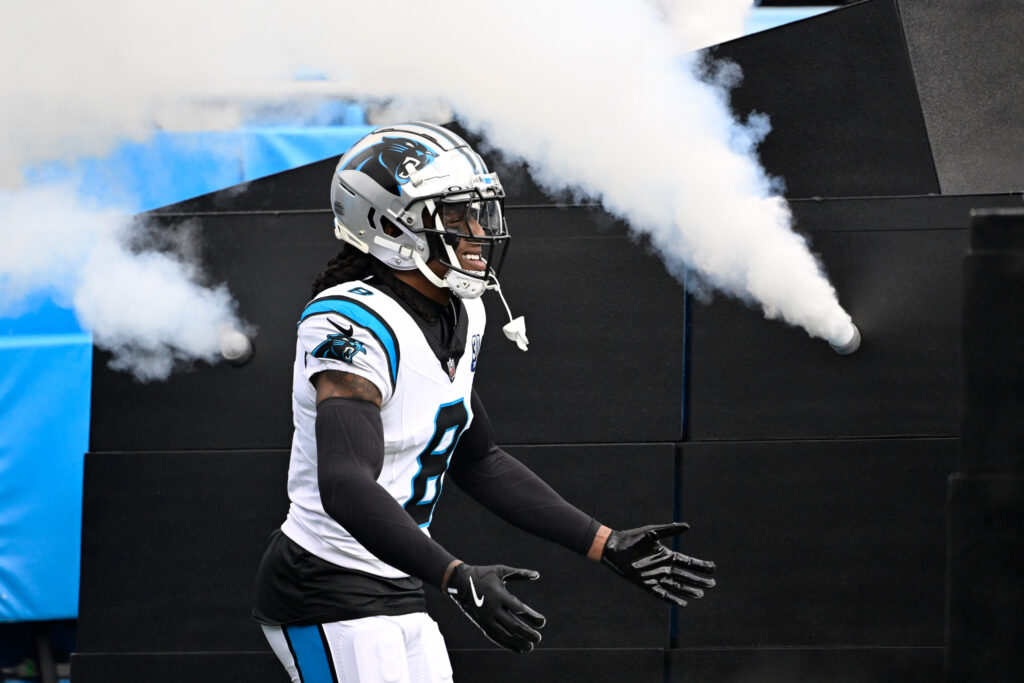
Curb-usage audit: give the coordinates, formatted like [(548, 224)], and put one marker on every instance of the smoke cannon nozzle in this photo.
[(849, 343), (235, 347)]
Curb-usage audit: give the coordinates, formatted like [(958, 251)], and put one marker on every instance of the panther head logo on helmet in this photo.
[(391, 161)]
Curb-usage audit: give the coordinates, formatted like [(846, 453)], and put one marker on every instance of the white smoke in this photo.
[(148, 307), (597, 95), (699, 23)]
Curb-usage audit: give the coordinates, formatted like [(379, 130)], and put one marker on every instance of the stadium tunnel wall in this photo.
[(817, 482)]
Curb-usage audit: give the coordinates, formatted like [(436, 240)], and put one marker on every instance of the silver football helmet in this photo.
[(413, 192)]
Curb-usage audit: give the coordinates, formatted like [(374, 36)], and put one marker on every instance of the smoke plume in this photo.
[(149, 307), (597, 95)]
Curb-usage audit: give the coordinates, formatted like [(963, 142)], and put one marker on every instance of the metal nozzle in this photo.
[(235, 347), (851, 343)]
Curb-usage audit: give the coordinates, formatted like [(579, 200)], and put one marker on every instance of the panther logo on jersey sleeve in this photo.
[(339, 346), (342, 332)]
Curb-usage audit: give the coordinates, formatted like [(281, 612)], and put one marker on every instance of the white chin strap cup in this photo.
[(515, 330)]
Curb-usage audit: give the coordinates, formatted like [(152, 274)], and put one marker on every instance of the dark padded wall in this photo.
[(814, 665), (896, 264), (605, 323), (599, 666), (969, 70), (841, 96), (819, 543), (170, 546)]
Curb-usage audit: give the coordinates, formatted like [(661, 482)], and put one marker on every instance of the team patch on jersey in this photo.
[(339, 346), (366, 318)]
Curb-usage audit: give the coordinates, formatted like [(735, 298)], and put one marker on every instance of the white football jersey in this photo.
[(356, 328)]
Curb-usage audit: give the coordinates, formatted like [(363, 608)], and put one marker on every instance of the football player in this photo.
[(385, 413)]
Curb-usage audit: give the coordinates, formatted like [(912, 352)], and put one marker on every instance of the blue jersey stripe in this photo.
[(364, 317), (310, 654)]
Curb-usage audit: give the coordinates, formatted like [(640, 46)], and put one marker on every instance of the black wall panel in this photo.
[(969, 70), (493, 666), (178, 667), (986, 563), (749, 378), (605, 323), (605, 666), (589, 293), (818, 543), (840, 93), (170, 547), (806, 665)]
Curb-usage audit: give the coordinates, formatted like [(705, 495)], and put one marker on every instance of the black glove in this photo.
[(641, 557), (480, 592)]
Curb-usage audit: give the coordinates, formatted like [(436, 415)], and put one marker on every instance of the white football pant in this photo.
[(404, 649)]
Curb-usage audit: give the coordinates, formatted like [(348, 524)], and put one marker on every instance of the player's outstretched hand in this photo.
[(480, 592), (641, 557)]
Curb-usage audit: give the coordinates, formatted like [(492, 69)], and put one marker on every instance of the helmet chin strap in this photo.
[(466, 287), (514, 329)]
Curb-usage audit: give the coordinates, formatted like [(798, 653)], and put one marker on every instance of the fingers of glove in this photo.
[(529, 616), (658, 530), (513, 574), (702, 566), (518, 631), (508, 640), (651, 564), (667, 530), (667, 595), (682, 589), (689, 577), (658, 554), (678, 574), (522, 611), (502, 629)]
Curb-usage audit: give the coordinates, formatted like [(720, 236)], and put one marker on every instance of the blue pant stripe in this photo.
[(310, 655)]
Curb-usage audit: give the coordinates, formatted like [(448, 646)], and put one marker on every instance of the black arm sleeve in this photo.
[(350, 455), (512, 491)]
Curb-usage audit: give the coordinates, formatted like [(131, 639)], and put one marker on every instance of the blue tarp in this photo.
[(44, 427), (171, 167)]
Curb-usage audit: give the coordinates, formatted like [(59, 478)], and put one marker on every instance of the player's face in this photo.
[(464, 221)]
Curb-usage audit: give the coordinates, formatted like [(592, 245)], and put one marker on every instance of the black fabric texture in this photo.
[(350, 452), (512, 491), (444, 326), (294, 586)]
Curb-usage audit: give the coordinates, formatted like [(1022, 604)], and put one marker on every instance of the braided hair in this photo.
[(348, 264), (351, 264)]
